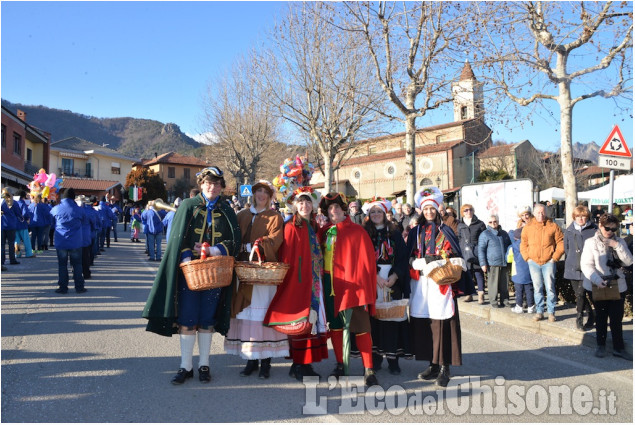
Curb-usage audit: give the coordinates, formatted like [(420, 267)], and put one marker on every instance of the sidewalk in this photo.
[(563, 328)]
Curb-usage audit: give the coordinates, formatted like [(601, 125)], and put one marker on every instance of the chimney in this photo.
[(22, 115)]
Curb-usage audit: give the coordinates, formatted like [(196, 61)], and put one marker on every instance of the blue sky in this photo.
[(155, 60)]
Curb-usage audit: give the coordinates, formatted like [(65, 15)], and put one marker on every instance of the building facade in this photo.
[(445, 154), (177, 171), (25, 150)]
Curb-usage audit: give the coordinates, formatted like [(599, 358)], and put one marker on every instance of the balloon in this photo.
[(45, 192), (50, 181), (283, 188), (58, 183), (294, 172), (40, 177)]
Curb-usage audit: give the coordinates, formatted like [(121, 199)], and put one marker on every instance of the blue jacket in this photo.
[(492, 247), (26, 214), (167, 222), (41, 214), (10, 216), (573, 244), (152, 222), (69, 219), (106, 215), (93, 216), (522, 275), (88, 226)]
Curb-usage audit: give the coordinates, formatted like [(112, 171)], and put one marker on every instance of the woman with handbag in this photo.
[(390, 336), (261, 228), (603, 257), (434, 313), (297, 309)]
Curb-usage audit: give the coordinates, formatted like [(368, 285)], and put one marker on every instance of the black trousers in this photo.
[(582, 297), (86, 259), (612, 310)]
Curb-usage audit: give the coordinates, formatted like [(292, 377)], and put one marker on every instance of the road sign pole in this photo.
[(611, 178)]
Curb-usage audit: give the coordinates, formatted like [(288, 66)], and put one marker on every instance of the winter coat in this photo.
[(492, 247), (541, 242), (594, 262), (41, 214), (152, 222), (26, 214), (69, 218), (520, 273), (573, 244), (468, 240), (10, 216)]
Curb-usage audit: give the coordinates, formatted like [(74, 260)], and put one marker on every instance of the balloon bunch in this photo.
[(294, 173), (44, 184)]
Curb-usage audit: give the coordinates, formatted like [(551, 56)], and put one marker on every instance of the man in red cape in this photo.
[(350, 285)]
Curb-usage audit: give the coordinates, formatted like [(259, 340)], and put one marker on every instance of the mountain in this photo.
[(139, 138), (588, 151)]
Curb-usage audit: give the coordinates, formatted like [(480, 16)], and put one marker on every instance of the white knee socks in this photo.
[(204, 347), (187, 350)]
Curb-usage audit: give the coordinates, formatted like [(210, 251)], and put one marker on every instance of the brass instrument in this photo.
[(160, 205), (7, 197)]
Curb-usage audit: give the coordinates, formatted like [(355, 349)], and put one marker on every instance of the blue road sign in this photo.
[(245, 190)]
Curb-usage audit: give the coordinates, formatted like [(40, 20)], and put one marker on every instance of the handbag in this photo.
[(609, 293)]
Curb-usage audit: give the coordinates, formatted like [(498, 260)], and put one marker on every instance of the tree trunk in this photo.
[(328, 172), (566, 148), (411, 165)]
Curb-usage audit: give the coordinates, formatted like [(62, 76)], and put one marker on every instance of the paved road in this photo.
[(87, 358)]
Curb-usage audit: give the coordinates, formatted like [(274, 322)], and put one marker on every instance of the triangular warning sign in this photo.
[(246, 192), (615, 144)]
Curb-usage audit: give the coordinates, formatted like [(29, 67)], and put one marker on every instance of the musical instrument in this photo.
[(160, 205)]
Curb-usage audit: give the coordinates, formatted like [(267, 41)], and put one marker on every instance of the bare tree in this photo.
[(411, 47), (242, 128), (321, 83), (540, 51)]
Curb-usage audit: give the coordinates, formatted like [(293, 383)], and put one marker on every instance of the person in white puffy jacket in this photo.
[(601, 263)]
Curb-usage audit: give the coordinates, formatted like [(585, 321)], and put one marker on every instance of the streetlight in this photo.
[(439, 182)]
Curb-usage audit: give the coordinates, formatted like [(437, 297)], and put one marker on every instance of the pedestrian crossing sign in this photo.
[(245, 190)]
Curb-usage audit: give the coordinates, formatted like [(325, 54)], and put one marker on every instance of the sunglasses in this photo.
[(611, 229), (492, 222), (468, 209), (214, 171)]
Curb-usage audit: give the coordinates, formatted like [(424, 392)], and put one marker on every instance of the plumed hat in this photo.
[(313, 194)]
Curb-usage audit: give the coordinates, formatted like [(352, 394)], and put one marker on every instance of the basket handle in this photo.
[(254, 249)]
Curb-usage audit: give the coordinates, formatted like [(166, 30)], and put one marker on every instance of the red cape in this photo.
[(354, 271), (292, 301)]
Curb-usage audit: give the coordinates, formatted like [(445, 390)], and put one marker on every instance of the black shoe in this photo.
[(81, 291), (61, 290), (430, 373), (444, 376), (393, 367), (252, 366), (115, 240), (600, 351), (338, 371), (294, 369), (265, 368), (14, 262), (305, 370), (369, 378), (182, 375), (203, 374)]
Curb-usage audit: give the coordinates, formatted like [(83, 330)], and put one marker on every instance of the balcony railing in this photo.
[(75, 172)]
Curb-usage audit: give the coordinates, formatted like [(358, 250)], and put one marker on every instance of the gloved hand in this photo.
[(186, 260), (214, 252)]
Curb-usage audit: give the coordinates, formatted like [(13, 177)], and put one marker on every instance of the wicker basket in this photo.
[(259, 273), (391, 310), (210, 273), (446, 274)]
